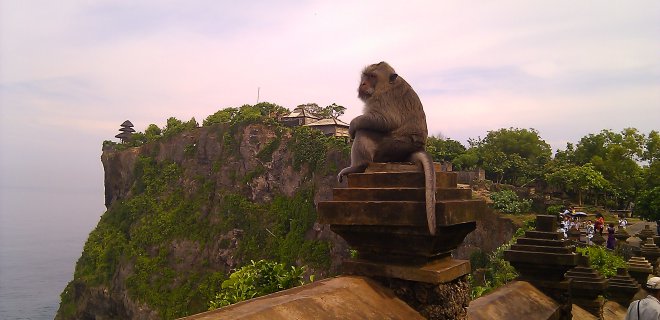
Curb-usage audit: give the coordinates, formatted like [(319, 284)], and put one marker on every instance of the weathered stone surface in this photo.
[(586, 286), (444, 301), (397, 213), (516, 300), (382, 214), (647, 232), (345, 297), (542, 254), (621, 235), (398, 194), (581, 314), (622, 287), (614, 311), (444, 180), (639, 268), (435, 272), (651, 252)]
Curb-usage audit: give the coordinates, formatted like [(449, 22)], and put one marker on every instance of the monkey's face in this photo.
[(376, 79), (367, 85)]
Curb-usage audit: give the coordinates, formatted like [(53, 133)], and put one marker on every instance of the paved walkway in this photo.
[(638, 226)]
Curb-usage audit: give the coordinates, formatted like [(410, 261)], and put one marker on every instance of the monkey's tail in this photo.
[(423, 158)]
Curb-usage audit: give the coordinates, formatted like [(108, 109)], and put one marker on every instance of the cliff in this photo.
[(186, 209)]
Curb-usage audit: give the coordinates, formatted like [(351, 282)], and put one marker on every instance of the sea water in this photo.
[(42, 233)]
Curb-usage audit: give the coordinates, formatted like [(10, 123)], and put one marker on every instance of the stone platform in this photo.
[(382, 214)]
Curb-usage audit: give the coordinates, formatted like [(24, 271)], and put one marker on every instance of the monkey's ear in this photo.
[(393, 77)]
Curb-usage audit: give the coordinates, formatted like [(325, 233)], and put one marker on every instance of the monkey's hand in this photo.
[(352, 127)]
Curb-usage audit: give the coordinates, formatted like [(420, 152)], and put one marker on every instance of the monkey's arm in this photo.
[(371, 121)]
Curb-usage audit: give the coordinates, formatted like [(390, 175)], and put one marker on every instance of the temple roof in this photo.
[(327, 122)]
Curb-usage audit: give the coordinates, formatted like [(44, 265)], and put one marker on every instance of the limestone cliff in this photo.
[(186, 209)]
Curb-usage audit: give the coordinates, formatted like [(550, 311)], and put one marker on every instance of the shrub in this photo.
[(508, 201), (256, 279), (602, 260)]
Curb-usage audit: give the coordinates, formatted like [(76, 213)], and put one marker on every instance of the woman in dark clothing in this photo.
[(610, 236)]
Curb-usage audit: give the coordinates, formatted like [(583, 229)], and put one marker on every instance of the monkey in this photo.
[(392, 128)]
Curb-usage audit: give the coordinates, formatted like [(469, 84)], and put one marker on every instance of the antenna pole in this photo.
[(258, 89)]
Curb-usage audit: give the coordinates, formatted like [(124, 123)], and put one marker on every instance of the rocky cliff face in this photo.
[(185, 210)]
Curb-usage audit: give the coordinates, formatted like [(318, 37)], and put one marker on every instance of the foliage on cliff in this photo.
[(256, 279), (161, 243)]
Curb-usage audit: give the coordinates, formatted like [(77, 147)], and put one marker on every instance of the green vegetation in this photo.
[(602, 260), (608, 169), (144, 234), (498, 271), (256, 279), (507, 201)]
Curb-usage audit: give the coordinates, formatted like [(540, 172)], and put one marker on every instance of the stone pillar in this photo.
[(542, 257), (586, 287), (647, 232), (651, 252), (639, 268), (621, 235), (381, 213), (574, 235), (598, 239), (622, 287)]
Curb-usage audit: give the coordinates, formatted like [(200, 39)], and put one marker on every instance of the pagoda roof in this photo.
[(301, 112), (123, 135), (127, 129), (127, 123), (329, 122)]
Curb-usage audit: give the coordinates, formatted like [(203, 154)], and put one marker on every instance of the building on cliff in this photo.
[(301, 116), (126, 131)]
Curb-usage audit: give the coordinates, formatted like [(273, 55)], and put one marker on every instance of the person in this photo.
[(590, 232), (649, 307), (610, 237), (623, 222), (600, 223)]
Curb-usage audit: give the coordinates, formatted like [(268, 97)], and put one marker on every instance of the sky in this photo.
[(72, 71)]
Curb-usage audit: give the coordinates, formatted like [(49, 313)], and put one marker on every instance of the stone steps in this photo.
[(398, 194), (444, 180), (397, 213)]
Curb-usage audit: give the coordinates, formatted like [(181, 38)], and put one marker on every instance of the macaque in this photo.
[(392, 128)]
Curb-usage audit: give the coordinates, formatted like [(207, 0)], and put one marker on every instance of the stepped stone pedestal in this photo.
[(586, 287), (542, 257), (622, 287), (574, 235), (647, 232), (651, 252), (640, 269), (598, 239), (621, 235), (382, 214)]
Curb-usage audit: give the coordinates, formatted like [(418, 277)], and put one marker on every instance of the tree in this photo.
[(225, 115), (172, 127), (152, 132), (652, 147), (334, 110), (513, 155), (615, 156), (648, 204), (579, 179), (444, 149)]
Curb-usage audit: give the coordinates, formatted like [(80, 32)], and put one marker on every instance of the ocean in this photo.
[(42, 233)]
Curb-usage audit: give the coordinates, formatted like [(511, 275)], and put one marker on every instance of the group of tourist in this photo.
[(570, 221)]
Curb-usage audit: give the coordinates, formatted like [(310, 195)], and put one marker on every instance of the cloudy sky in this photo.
[(72, 71)]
